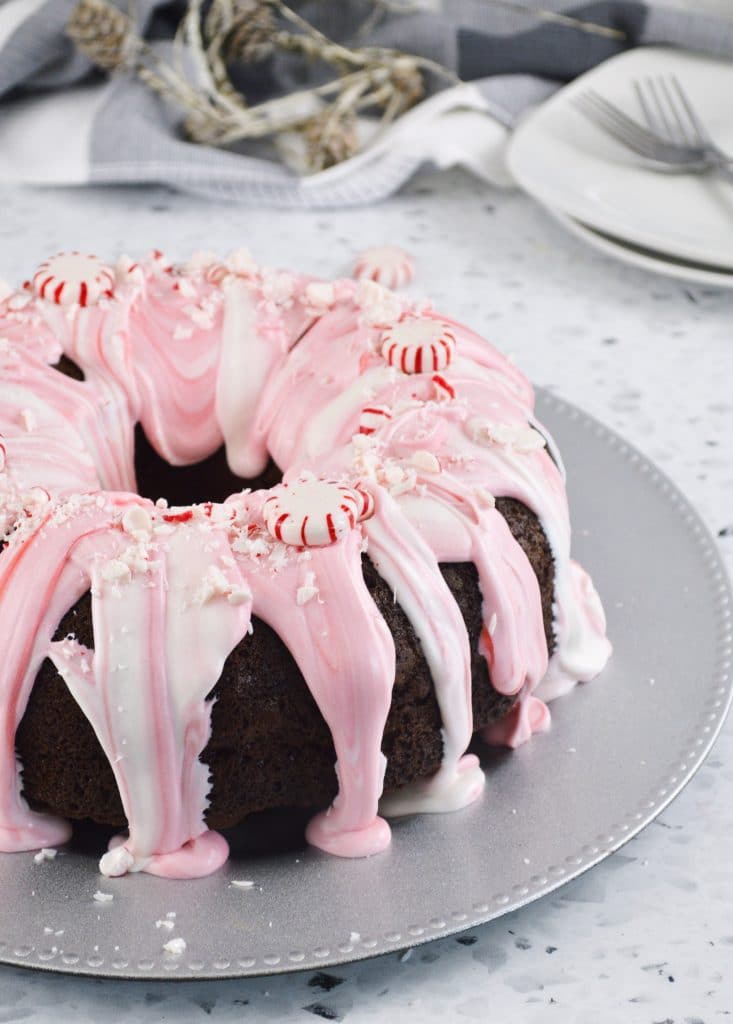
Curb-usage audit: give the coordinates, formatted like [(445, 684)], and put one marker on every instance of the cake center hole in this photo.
[(209, 480)]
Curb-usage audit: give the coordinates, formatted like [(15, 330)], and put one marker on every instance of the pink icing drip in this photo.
[(406, 562), (195, 859), (245, 369), (36, 559), (146, 700), (517, 652), (54, 429), (528, 716), (349, 670), (173, 340)]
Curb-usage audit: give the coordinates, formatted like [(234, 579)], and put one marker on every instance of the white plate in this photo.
[(619, 750), (567, 163), (645, 259)]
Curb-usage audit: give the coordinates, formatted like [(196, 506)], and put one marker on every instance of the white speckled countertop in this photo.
[(647, 935)]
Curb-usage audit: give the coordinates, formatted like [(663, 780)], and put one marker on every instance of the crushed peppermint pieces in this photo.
[(216, 584), (308, 589), (116, 571), (373, 417), (379, 306), (425, 462), (442, 388), (46, 853), (29, 420), (175, 947), (517, 437), (319, 296), (128, 271), (137, 521)]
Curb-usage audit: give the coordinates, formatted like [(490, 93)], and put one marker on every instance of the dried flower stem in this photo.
[(566, 20)]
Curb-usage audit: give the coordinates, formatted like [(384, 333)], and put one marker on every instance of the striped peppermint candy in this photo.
[(420, 345), (72, 278), (314, 513), (385, 264), (373, 417)]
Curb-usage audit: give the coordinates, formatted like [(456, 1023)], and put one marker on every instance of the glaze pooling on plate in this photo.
[(396, 429)]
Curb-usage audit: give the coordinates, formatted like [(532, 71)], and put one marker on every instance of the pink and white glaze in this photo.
[(396, 428)]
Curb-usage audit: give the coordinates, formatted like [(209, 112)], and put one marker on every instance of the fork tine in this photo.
[(622, 119), (685, 126), (624, 127), (667, 129), (601, 118), (650, 108), (644, 104), (630, 133), (701, 130)]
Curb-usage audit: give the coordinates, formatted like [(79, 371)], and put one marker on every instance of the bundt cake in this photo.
[(268, 541)]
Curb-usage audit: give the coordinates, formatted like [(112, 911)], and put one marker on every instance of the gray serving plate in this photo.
[(619, 750)]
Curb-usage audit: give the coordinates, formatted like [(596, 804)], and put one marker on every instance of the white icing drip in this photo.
[(408, 565), (244, 367), (339, 417), (147, 706)]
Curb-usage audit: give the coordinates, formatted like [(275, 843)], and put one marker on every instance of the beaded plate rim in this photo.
[(719, 694)]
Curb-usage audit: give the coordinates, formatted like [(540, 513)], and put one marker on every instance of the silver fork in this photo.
[(660, 153), (669, 113)]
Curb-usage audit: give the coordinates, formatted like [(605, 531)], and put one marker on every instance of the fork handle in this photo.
[(722, 160), (723, 165), (724, 171)]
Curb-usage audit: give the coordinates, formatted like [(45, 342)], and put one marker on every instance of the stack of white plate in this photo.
[(678, 225)]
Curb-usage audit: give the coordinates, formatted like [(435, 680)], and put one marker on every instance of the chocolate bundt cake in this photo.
[(268, 542)]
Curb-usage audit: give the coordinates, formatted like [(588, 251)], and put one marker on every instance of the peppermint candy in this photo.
[(385, 264), (420, 345), (72, 278), (373, 417), (313, 513)]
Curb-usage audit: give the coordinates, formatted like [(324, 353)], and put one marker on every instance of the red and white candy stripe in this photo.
[(314, 513), (373, 417), (444, 390), (386, 264), (420, 345), (72, 278)]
